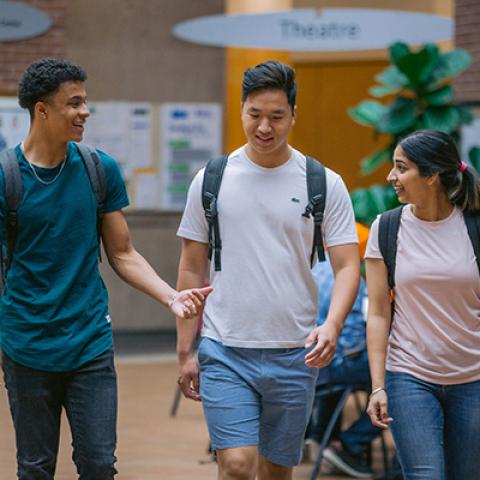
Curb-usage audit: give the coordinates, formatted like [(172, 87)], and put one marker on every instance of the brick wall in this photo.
[(15, 56), (467, 36)]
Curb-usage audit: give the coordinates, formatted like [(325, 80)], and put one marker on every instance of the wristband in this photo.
[(379, 389)]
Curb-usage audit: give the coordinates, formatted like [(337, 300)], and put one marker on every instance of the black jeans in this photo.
[(89, 396)]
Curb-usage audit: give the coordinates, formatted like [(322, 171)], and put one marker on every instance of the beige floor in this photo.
[(151, 446)]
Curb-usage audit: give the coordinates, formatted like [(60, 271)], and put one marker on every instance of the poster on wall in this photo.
[(123, 130), (14, 123), (190, 134)]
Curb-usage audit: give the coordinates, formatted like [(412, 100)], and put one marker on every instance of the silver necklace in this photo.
[(44, 182)]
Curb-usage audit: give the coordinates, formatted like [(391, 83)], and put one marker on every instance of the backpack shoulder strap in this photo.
[(212, 180), (13, 197), (96, 174), (472, 221), (317, 196), (387, 240)]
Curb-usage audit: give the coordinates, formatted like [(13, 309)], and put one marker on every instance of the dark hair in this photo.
[(43, 78), (271, 75), (435, 152)]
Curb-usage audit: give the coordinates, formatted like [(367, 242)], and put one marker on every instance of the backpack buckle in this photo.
[(310, 208), (211, 212), (318, 217)]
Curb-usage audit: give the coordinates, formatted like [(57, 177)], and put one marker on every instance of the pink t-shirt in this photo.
[(435, 332)]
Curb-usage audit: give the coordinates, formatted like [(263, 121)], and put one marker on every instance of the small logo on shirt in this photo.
[(108, 319), (295, 200)]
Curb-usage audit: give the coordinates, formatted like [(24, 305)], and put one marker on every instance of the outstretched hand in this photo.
[(188, 303), (325, 337)]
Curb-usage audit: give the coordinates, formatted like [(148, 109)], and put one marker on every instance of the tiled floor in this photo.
[(152, 445)]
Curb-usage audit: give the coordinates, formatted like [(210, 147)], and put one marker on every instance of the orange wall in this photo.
[(324, 129)]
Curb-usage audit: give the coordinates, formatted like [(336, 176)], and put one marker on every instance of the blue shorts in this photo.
[(257, 397)]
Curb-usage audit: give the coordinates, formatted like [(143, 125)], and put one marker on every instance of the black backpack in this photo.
[(388, 232), (317, 193), (14, 195)]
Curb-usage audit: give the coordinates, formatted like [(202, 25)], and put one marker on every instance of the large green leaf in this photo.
[(383, 197), (440, 97), (369, 202), (382, 90), (367, 113), (451, 64), (372, 162), (399, 51), (416, 66), (474, 158), (399, 116), (446, 118), (392, 77), (364, 211), (466, 115)]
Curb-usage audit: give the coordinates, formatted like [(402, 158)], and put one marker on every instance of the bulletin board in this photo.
[(159, 147)]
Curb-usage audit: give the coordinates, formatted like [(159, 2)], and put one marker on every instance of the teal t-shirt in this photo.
[(54, 309)]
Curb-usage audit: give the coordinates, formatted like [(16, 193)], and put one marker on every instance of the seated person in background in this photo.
[(349, 366), (349, 452)]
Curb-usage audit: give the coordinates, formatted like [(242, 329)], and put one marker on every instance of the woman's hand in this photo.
[(377, 409)]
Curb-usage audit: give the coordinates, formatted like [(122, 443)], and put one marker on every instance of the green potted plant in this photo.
[(419, 85)]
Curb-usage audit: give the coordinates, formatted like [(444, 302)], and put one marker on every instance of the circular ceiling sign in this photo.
[(329, 29), (19, 21)]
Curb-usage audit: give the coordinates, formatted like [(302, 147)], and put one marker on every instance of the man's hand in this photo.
[(325, 337), (188, 303), (188, 378)]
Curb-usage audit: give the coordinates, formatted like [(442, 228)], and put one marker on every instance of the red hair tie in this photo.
[(463, 166)]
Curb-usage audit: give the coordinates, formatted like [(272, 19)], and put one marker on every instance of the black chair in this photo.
[(326, 390)]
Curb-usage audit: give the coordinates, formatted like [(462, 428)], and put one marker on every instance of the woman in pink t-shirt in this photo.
[(425, 361)]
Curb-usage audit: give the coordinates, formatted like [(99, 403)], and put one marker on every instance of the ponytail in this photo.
[(466, 195)]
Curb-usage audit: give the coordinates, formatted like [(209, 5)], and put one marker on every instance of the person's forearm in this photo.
[(187, 329), (377, 340), (137, 272), (344, 293)]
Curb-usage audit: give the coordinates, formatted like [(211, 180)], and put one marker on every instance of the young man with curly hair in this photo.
[(55, 326)]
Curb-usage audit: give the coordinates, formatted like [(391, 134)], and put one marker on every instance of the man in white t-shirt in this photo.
[(260, 345)]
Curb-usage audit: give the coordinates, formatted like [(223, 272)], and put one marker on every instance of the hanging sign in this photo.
[(19, 21), (329, 29)]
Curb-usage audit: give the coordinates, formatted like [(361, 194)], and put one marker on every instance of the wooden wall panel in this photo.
[(324, 129)]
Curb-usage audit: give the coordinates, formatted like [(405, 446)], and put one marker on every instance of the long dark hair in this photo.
[(435, 152)]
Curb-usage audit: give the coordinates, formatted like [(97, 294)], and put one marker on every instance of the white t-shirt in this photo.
[(265, 295), (435, 334)]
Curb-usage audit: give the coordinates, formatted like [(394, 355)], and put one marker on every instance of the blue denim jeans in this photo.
[(436, 427), (89, 396)]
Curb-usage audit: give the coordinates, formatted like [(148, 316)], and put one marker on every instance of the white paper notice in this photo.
[(14, 123), (190, 134), (146, 191)]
